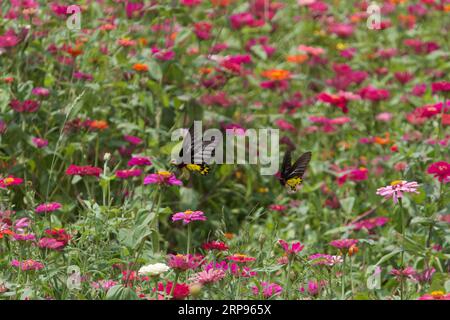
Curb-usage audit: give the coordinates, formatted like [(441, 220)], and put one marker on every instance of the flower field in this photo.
[(93, 205)]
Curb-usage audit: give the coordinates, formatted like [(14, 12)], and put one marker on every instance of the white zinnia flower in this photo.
[(153, 269)]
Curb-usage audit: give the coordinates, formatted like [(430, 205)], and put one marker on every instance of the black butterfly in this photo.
[(200, 151), (291, 175)]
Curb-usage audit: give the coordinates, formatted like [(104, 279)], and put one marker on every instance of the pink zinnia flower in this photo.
[(294, 248), (325, 259), (435, 295), (48, 207), (104, 284), (208, 276), (397, 188), (189, 216), (50, 243), (27, 265), (343, 243), (371, 223), (384, 116), (237, 257), (408, 272), (268, 289), (232, 268), (313, 288), (162, 177), (41, 92), (184, 262), (24, 236), (39, 142)]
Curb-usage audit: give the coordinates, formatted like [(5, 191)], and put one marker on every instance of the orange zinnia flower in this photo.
[(383, 141), (140, 67), (297, 58), (75, 51), (446, 119), (99, 124), (221, 3), (276, 74), (143, 41), (229, 236), (205, 70)]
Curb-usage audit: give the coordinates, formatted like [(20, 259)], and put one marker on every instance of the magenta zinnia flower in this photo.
[(132, 139), (83, 171), (162, 177), (397, 188), (125, 174), (189, 216), (48, 207), (294, 248), (139, 161), (10, 181), (440, 170), (215, 245)]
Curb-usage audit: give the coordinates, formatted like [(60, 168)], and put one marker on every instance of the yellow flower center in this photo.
[(340, 46), (188, 212), (437, 294), (164, 173), (8, 180), (396, 182)]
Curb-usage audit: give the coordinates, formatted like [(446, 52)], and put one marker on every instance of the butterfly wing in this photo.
[(192, 144), (299, 167), (285, 166), (208, 150)]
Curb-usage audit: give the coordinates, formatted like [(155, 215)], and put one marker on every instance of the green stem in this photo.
[(189, 231), (343, 279), (288, 280), (155, 225), (177, 275), (402, 257)]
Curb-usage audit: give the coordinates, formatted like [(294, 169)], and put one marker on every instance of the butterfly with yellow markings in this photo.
[(200, 152), (291, 175)]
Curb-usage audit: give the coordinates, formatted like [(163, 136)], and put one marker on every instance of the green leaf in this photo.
[(388, 256), (347, 204), (120, 292)]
